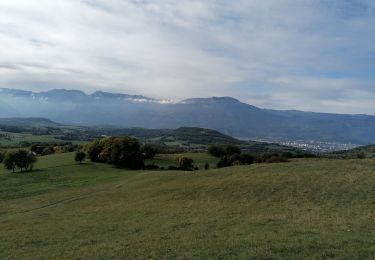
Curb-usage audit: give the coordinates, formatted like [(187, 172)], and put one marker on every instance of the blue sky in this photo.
[(315, 55)]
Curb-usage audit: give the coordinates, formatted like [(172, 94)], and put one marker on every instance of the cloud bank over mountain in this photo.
[(309, 55)]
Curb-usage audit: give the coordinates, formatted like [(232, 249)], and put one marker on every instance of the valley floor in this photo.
[(315, 208)]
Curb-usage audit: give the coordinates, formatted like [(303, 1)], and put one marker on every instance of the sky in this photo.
[(312, 55)]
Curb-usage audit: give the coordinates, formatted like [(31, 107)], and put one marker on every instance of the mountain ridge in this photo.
[(225, 114)]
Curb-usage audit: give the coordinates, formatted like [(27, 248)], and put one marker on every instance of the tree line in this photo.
[(126, 152), (122, 152), (232, 155), (21, 159)]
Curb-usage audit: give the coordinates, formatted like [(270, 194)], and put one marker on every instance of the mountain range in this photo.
[(224, 114)]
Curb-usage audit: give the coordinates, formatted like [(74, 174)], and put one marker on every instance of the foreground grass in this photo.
[(302, 209)]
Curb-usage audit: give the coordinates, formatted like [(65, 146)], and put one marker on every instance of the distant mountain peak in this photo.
[(210, 100), (103, 94)]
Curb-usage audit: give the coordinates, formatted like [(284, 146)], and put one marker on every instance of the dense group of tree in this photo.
[(45, 148), (122, 152), (223, 150), (231, 155), (21, 159)]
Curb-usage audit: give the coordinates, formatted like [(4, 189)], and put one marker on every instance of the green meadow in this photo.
[(8, 139), (304, 209)]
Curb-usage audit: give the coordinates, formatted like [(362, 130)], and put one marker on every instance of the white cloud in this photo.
[(312, 55)]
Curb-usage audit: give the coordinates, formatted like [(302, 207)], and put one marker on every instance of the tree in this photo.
[(361, 155), (2, 156), (246, 158), (22, 159), (225, 161), (126, 153), (217, 151), (106, 145), (220, 151), (231, 150), (31, 159), (10, 161), (206, 166), (149, 151), (80, 156), (94, 149), (185, 163), (123, 152)]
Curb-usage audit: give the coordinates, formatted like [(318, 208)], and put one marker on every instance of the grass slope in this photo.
[(368, 151), (304, 209)]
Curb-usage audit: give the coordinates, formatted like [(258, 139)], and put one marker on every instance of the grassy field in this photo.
[(14, 139), (315, 209)]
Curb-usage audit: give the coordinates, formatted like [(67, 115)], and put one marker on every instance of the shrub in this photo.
[(216, 151), (80, 156), (246, 158), (206, 166), (220, 151), (275, 158), (149, 151), (361, 155), (185, 163), (225, 161), (2, 156), (47, 150), (231, 150)]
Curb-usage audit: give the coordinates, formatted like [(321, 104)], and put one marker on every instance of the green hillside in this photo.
[(310, 208), (15, 132), (28, 122), (363, 151)]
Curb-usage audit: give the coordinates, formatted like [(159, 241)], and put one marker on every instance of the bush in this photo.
[(361, 155), (2, 156), (231, 150), (216, 151), (185, 163), (80, 156), (246, 158), (47, 150), (275, 158), (236, 159), (225, 161), (220, 151), (206, 166), (149, 151)]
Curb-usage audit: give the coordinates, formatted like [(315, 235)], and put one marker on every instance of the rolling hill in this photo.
[(367, 151), (223, 114), (314, 209), (183, 138)]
